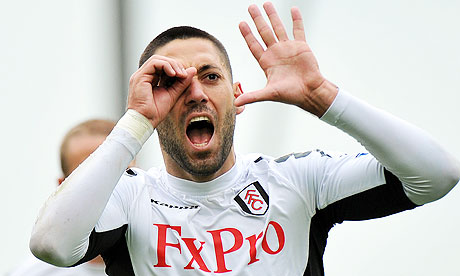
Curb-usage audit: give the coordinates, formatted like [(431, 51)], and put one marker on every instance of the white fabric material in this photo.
[(206, 214), (34, 267), (79, 201), (427, 171), (136, 125), (209, 215)]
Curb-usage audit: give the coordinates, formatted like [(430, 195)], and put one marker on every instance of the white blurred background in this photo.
[(62, 62)]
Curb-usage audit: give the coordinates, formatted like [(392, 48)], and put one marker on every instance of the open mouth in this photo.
[(200, 130)]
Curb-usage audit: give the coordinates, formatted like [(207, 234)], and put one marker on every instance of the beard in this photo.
[(206, 163)]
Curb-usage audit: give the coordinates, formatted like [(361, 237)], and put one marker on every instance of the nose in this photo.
[(195, 94)]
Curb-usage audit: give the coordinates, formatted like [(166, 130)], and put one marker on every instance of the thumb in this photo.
[(252, 97)]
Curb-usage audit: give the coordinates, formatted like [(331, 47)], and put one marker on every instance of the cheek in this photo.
[(222, 95), (167, 126), (174, 116), (223, 106)]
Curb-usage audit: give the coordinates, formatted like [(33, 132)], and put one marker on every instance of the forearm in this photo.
[(60, 235), (426, 170)]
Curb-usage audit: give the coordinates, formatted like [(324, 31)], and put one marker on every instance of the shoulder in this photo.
[(134, 180), (296, 159), (135, 177), (284, 167), (302, 167)]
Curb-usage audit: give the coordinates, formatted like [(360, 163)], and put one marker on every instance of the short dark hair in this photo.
[(183, 32)]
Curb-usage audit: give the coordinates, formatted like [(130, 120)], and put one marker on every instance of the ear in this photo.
[(237, 91), (60, 180)]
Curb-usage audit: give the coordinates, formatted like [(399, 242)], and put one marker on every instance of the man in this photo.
[(210, 210), (76, 146)]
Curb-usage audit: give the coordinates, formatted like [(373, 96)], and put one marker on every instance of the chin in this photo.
[(203, 167)]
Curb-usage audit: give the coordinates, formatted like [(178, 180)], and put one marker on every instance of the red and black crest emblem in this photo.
[(253, 199)]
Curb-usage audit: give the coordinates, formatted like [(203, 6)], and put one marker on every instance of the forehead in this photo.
[(192, 52)]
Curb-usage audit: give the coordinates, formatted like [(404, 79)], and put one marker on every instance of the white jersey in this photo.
[(262, 217), (254, 217)]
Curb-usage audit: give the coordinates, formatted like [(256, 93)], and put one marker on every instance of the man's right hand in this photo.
[(156, 86)]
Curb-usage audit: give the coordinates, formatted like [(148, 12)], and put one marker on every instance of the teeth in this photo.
[(200, 118), (200, 145)]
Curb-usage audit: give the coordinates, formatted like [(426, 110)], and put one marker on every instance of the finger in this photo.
[(180, 85), (159, 71), (163, 67), (254, 46), (158, 64), (178, 67), (166, 80), (252, 97), (276, 22), (153, 72), (262, 27), (297, 24)]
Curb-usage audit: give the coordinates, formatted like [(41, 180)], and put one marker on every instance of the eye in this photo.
[(212, 77)]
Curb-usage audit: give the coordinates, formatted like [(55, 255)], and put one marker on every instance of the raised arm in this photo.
[(426, 170), (62, 230)]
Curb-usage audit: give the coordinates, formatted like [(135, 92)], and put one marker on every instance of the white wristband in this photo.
[(137, 125)]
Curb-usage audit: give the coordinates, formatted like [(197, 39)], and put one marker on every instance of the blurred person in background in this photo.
[(76, 146), (209, 209)]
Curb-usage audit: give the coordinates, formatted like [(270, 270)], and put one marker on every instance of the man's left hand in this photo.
[(292, 72)]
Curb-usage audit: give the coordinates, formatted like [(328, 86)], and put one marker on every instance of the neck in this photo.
[(175, 170)]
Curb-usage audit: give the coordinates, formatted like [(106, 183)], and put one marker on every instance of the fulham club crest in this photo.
[(253, 199)]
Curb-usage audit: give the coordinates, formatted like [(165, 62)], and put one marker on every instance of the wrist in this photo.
[(321, 98), (137, 125)]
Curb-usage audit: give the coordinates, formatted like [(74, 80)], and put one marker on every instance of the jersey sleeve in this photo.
[(380, 201), (117, 210), (324, 178), (111, 227), (426, 170), (61, 235)]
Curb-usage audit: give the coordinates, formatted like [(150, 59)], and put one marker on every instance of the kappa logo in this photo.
[(253, 199)]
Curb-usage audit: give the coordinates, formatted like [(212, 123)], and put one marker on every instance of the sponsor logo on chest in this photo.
[(209, 250), (225, 242)]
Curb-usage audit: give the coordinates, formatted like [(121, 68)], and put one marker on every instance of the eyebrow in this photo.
[(207, 67)]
